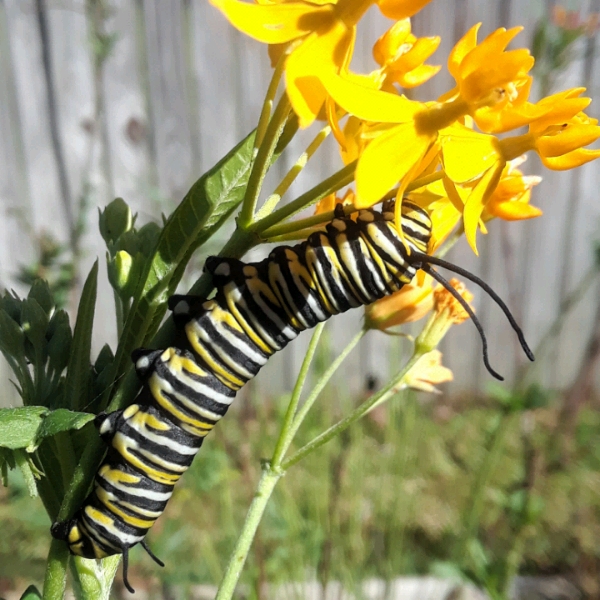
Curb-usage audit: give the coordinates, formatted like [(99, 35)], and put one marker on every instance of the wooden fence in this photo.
[(137, 98)]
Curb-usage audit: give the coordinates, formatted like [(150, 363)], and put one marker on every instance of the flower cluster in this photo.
[(397, 141), (458, 156)]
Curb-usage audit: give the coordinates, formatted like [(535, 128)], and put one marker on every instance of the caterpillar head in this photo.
[(70, 532)]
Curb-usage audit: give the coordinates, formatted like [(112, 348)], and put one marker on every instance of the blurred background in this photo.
[(137, 98)]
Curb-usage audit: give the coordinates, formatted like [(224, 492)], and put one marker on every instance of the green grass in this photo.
[(390, 497)]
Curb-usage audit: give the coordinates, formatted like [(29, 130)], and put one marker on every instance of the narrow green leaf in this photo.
[(61, 420), (34, 321), (18, 426), (59, 346), (204, 209), (11, 337), (77, 384), (24, 464), (40, 292), (31, 593), (11, 303)]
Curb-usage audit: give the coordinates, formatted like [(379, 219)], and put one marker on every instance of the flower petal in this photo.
[(386, 160), (571, 159), (461, 49), (467, 153), (571, 138), (477, 200), (275, 23), (417, 76), (311, 63), (513, 211), (367, 103), (400, 9)]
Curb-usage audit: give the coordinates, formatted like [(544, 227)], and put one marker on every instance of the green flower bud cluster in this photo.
[(35, 338), (128, 247)]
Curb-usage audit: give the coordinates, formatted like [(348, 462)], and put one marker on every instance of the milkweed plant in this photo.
[(459, 157)]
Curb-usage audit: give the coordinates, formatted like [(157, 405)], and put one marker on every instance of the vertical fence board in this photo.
[(169, 111)]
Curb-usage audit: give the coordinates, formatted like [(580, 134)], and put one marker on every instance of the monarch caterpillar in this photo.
[(257, 310)]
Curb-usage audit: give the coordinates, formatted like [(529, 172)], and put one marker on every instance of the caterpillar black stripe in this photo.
[(257, 310)]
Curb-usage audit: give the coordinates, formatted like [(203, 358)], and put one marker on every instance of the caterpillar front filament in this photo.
[(257, 310)]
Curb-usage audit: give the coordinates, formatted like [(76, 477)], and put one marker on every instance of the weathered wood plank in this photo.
[(169, 110)]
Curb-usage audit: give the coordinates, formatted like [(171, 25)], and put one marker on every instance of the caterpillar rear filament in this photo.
[(257, 310)]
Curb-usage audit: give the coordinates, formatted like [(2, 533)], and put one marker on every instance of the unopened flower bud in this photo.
[(115, 220), (411, 303), (447, 312)]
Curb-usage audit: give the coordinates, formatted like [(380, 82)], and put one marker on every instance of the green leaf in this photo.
[(40, 292), (59, 344), (31, 593), (19, 426), (204, 209), (34, 322), (24, 464), (77, 384), (104, 359), (61, 420), (11, 303), (11, 337)]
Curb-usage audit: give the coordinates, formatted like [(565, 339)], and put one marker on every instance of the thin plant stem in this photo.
[(323, 381), (385, 393), (55, 579), (268, 481), (267, 107), (292, 174), (474, 508), (273, 233), (265, 488), (287, 432), (263, 160), (303, 224), (332, 184), (450, 242)]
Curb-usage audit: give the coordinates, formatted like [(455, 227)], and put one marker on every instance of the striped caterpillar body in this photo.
[(257, 310)]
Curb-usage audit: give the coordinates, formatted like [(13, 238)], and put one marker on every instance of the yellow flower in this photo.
[(401, 56), (427, 372), (323, 37), (557, 134), (447, 312), (410, 303), (488, 77), (510, 199), (492, 81)]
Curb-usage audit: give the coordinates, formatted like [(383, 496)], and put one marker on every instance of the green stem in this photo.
[(385, 393), (287, 430), (323, 381), (267, 107), (302, 224), (328, 186), (450, 242), (55, 579), (265, 488), (474, 508), (263, 161), (292, 174)]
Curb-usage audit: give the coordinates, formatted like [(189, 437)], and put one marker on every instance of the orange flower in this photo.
[(510, 199), (410, 303)]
